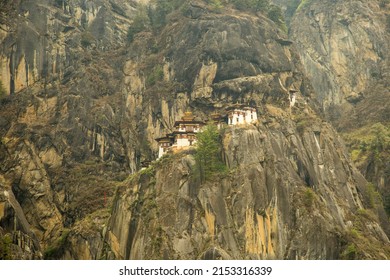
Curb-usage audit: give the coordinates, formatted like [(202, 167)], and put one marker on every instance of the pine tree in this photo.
[(208, 153)]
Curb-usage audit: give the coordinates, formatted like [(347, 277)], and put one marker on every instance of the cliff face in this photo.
[(289, 194), (86, 103), (43, 40), (60, 72), (344, 48)]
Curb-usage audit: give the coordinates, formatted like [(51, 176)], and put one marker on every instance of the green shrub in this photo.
[(155, 76), (87, 39), (60, 3), (386, 203), (5, 248), (381, 141), (216, 5), (308, 198), (150, 171), (354, 233), (275, 14), (350, 253)]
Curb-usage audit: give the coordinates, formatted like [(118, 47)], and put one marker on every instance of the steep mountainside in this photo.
[(86, 94), (344, 47), (290, 194), (61, 148)]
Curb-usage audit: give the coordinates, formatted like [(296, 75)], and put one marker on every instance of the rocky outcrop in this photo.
[(289, 194), (85, 104), (344, 48), (49, 128), (41, 40)]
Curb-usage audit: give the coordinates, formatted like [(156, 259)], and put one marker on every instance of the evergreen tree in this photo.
[(275, 14), (208, 153)]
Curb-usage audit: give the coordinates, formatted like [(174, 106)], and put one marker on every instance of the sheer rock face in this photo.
[(59, 82), (85, 106), (289, 195), (41, 39), (344, 47)]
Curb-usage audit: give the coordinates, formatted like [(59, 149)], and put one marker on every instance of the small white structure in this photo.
[(292, 96), (164, 143), (241, 115), (184, 139), (236, 116)]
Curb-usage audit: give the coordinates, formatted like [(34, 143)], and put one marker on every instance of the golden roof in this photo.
[(188, 116)]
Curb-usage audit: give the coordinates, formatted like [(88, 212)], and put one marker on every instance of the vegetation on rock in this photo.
[(370, 150), (208, 153), (275, 14), (3, 92), (251, 5), (87, 39), (153, 17), (56, 250), (140, 23), (83, 121), (5, 247), (157, 74)]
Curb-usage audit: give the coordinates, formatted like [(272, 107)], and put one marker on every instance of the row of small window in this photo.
[(185, 136)]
